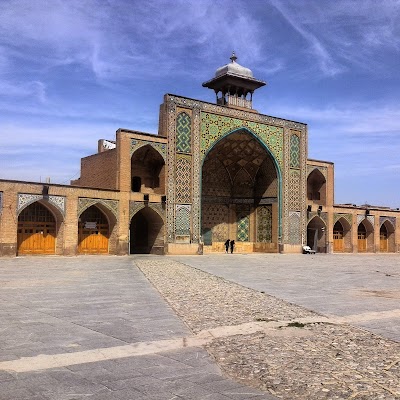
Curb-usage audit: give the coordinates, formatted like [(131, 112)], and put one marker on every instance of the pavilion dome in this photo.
[(234, 68)]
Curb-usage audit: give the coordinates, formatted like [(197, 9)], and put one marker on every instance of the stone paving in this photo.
[(290, 351), (94, 328), (363, 288)]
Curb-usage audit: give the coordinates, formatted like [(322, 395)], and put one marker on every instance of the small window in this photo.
[(136, 183)]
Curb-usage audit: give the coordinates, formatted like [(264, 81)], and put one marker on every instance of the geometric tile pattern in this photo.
[(361, 217), (347, 217), (294, 190), (243, 222), (392, 220), (294, 151), (322, 215), (182, 220), (134, 207), (183, 129), (25, 199), (264, 224), (183, 176), (243, 229), (213, 127), (371, 219), (159, 209), (160, 147), (294, 227), (84, 203), (171, 112), (210, 122), (196, 177)]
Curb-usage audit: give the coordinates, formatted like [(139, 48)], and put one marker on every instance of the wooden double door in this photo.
[(338, 241), (36, 230), (93, 232)]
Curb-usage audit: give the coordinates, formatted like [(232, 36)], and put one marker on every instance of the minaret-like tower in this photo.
[(234, 85)]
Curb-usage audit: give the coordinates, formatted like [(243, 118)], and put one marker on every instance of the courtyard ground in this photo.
[(202, 327)]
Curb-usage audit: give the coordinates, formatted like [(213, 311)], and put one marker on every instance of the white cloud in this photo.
[(345, 33)]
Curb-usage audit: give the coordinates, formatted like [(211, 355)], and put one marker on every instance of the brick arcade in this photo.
[(213, 172)]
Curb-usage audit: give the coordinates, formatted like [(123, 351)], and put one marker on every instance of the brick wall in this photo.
[(99, 170)]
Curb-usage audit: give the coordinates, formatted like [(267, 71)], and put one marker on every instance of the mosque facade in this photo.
[(215, 171)]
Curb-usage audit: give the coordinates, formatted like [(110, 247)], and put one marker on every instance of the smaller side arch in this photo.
[(316, 235), (146, 232), (147, 170), (316, 187), (39, 228), (387, 242), (97, 229), (365, 236), (342, 236)]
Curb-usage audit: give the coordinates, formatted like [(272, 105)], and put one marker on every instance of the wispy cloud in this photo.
[(34, 89), (344, 33)]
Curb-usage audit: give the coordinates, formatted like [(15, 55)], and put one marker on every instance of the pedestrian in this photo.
[(232, 245), (227, 246)]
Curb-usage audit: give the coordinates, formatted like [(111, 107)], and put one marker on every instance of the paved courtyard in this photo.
[(363, 288), (95, 327)]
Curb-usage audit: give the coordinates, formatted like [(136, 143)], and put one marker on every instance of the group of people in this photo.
[(229, 244)]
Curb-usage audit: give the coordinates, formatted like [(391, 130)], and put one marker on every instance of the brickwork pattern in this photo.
[(216, 217), (99, 170)]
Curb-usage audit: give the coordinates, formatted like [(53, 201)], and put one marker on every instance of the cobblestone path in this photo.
[(293, 353)]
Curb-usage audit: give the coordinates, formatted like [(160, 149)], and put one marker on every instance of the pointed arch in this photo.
[(316, 234), (96, 226), (316, 187), (254, 171), (387, 237), (342, 236), (38, 225), (365, 236), (147, 170), (146, 232)]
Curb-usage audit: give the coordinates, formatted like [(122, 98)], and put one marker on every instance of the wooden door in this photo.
[(93, 232), (36, 231), (338, 241), (383, 242), (362, 242)]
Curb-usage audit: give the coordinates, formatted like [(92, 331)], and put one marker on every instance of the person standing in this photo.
[(232, 244), (227, 246)]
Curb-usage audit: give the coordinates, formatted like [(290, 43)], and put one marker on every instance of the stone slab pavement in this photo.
[(365, 289), (94, 328)]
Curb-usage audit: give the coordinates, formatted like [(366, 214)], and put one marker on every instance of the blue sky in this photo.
[(72, 72)]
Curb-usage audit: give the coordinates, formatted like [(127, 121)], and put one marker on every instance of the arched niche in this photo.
[(146, 232), (365, 237), (387, 237), (97, 230), (239, 174), (147, 171), (316, 235), (39, 229), (316, 187), (342, 236)]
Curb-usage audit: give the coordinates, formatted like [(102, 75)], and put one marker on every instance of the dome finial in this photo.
[(233, 56)]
